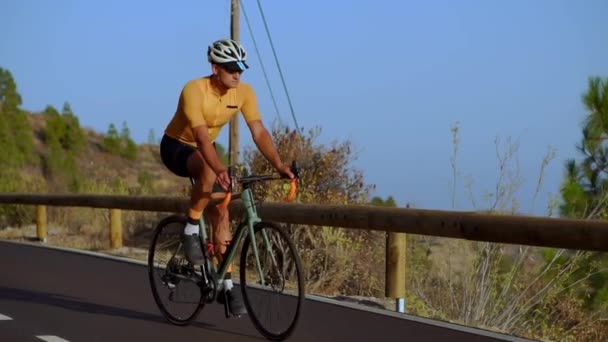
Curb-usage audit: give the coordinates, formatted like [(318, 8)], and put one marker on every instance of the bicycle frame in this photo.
[(270, 282), (209, 276), (248, 221)]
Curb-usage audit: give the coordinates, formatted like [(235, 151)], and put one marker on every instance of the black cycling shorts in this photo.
[(174, 155)]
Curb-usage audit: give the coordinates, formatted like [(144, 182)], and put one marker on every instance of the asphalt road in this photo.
[(57, 295)]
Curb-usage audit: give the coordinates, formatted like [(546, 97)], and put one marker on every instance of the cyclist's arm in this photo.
[(193, 108), (201, 135), (260, 135), (263, 141)]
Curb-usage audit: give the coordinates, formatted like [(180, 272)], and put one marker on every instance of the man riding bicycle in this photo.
[(187, 147)]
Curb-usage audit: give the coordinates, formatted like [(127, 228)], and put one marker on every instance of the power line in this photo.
[(261, 62), (278, 65)]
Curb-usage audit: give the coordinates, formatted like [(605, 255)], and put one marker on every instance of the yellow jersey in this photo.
[(199, 103)]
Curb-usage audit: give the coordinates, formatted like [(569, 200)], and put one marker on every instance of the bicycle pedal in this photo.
[(168, 282), (208, 293)]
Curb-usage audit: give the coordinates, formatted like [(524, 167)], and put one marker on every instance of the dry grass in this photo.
[(89, 229), (62, 237)]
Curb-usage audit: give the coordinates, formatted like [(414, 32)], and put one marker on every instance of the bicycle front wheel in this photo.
[(174, 282), (272, 281)]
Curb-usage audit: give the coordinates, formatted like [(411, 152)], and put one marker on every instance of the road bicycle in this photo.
[(270, 269)]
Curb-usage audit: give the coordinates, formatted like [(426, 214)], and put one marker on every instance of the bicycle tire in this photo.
[(172, 317), (249, 291)]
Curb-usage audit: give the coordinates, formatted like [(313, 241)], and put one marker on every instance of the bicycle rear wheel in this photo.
[(174, 282), (273, 289)]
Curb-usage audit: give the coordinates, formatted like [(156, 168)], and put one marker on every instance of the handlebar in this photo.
[(293, 188), (293, 184)]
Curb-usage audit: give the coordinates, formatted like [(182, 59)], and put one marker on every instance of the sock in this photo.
[(191, 227), (228, 282)]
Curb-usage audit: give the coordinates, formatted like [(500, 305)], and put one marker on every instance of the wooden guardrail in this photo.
[(523, 230)]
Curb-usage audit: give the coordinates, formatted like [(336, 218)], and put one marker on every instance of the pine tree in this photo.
[(16, 140), (128, 146), (585, 188), (73, 138), (111, 141)]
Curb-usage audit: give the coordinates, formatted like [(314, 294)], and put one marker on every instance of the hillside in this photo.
[(104, 168), (100, 172)]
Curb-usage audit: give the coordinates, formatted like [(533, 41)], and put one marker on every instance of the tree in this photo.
[(388, 202), (73, 138), (9, 97), (9, 153), (111, 141), (54, 125), (128, 146), (120, 144), (53, 133), (584, 190), (151, 137), (16, 140)]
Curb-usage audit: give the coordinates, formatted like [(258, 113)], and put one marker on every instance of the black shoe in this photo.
[(235, 302), (193, 249)]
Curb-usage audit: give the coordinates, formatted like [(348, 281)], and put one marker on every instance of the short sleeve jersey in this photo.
[(200, 104)]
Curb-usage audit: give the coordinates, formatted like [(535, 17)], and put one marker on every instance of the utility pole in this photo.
[(233, 139)]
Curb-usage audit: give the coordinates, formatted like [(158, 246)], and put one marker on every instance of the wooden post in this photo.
[(41, 222), (115, 228), (395, 269), (233, 138)]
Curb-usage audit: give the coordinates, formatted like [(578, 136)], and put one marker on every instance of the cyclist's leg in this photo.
[(199, 198), (174, 155), (201, 194), (203, 182), (186, 161), (203, 189), (222, 237)]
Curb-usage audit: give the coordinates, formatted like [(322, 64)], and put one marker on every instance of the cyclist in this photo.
[(187, 147)]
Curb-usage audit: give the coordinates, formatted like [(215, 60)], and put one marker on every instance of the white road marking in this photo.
[(4, 318), (51, 338)]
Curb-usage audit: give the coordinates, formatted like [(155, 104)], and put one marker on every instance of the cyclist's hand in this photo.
[(223, 180), (285, 171)]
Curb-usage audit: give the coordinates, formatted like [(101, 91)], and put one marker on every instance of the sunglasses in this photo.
[(234, 67), (233, 70)]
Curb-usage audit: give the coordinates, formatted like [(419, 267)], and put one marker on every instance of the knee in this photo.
[(204, 185)]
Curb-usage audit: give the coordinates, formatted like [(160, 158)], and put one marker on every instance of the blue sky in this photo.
[(392, 77)]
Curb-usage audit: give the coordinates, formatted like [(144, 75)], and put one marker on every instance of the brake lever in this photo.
[(294, 169)]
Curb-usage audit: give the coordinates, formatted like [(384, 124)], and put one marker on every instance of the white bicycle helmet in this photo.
[(226, 51)]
